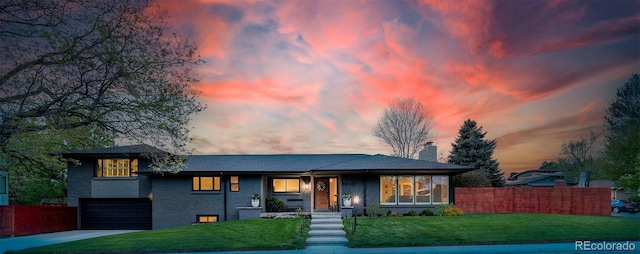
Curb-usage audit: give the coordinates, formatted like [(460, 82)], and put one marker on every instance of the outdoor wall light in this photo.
[(306, 187), (356, 200)]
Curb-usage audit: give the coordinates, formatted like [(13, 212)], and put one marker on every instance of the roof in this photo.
[(132, 149), (284, 163), (300, 163), (537, 177), (265, 162)]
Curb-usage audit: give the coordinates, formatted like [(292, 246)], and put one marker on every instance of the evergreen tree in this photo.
[(622, 136), (471, 149)]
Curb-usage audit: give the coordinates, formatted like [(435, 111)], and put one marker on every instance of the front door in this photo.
[(321, 193)]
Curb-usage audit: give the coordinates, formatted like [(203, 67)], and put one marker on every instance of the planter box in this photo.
[(245, 213)]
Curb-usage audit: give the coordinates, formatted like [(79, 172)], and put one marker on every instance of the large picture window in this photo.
[(206, 183), (116, 168), (414, 189), (291, 185)]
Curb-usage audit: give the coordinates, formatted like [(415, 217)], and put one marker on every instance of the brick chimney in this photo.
[(429, 152)]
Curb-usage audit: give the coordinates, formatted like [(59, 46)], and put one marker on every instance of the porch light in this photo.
[(306, 187), (356, 202)]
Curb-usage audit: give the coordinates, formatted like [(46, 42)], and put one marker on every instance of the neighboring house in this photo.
[(537, 178), (616, 192), (114, 188)]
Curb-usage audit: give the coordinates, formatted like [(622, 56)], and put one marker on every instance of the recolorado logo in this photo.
[(605, 246)]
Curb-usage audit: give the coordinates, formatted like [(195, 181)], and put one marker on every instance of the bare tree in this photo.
[(405, 126), (581, 155)]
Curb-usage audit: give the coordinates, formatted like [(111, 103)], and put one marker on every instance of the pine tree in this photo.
[(471, 149)]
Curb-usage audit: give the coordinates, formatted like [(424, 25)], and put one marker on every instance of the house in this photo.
[(115, 188), (537, 178), (616, 192)]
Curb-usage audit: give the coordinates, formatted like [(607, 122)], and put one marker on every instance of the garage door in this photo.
[(111, 213)]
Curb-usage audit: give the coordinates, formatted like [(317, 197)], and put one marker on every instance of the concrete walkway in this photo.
[(327, 232), (25, 242)]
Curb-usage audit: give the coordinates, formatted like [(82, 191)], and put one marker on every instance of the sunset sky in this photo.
[(315, 76)]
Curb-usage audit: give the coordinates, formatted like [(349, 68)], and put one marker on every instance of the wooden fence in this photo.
[(31, 220), (584, 201)]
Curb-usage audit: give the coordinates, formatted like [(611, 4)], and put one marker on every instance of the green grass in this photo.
[(489, 229), (255, 234)]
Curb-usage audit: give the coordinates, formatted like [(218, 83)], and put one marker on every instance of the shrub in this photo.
[(634, 199), (412, 213), (452, 210), (426, 212), (374, 209), (389, 212), (274, 205), (448, 210)]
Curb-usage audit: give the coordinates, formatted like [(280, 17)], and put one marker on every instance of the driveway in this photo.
[(626, 215), (25, 242)]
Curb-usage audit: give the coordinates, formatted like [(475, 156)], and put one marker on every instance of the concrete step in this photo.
[(325, 240), (326, 248), (322, 232), (326, 221), (326, 226), (326, 215)]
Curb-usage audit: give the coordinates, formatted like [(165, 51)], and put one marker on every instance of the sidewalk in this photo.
[(488, 249), (25, 242)]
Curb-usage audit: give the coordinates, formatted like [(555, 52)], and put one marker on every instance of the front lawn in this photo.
[(255, 234), (489, 229)]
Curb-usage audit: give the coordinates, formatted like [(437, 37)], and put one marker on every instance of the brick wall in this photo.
[(31, 220), (584, 201)]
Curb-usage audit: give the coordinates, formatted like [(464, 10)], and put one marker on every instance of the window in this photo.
[(388, 189), (235, 183), (405, 195), (423, 189), (286, 185), (207, 218), (3, 184), (116, 168), (410, 190), (440, 189), (206, 183)]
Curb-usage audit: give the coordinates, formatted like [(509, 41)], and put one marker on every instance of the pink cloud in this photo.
[(314, 76)]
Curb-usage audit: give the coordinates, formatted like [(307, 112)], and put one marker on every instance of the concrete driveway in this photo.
[(25, 242), (626, 215)]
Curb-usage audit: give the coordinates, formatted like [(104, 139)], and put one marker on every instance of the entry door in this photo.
[(321, 193)]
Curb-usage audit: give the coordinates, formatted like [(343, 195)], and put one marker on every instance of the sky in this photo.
[(315, 76)]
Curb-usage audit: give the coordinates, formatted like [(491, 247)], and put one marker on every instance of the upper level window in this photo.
[(291, 185), (116, 168), (234, 183), (206, 183)]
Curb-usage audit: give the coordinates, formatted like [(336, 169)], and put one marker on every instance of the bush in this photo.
[(389, 212), (412, 213), (426, 212), (274, 205), (448, 210), (634, 199), (453, 211), (374, 209)]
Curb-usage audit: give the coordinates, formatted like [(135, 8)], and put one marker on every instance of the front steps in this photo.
[(327, 231)]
